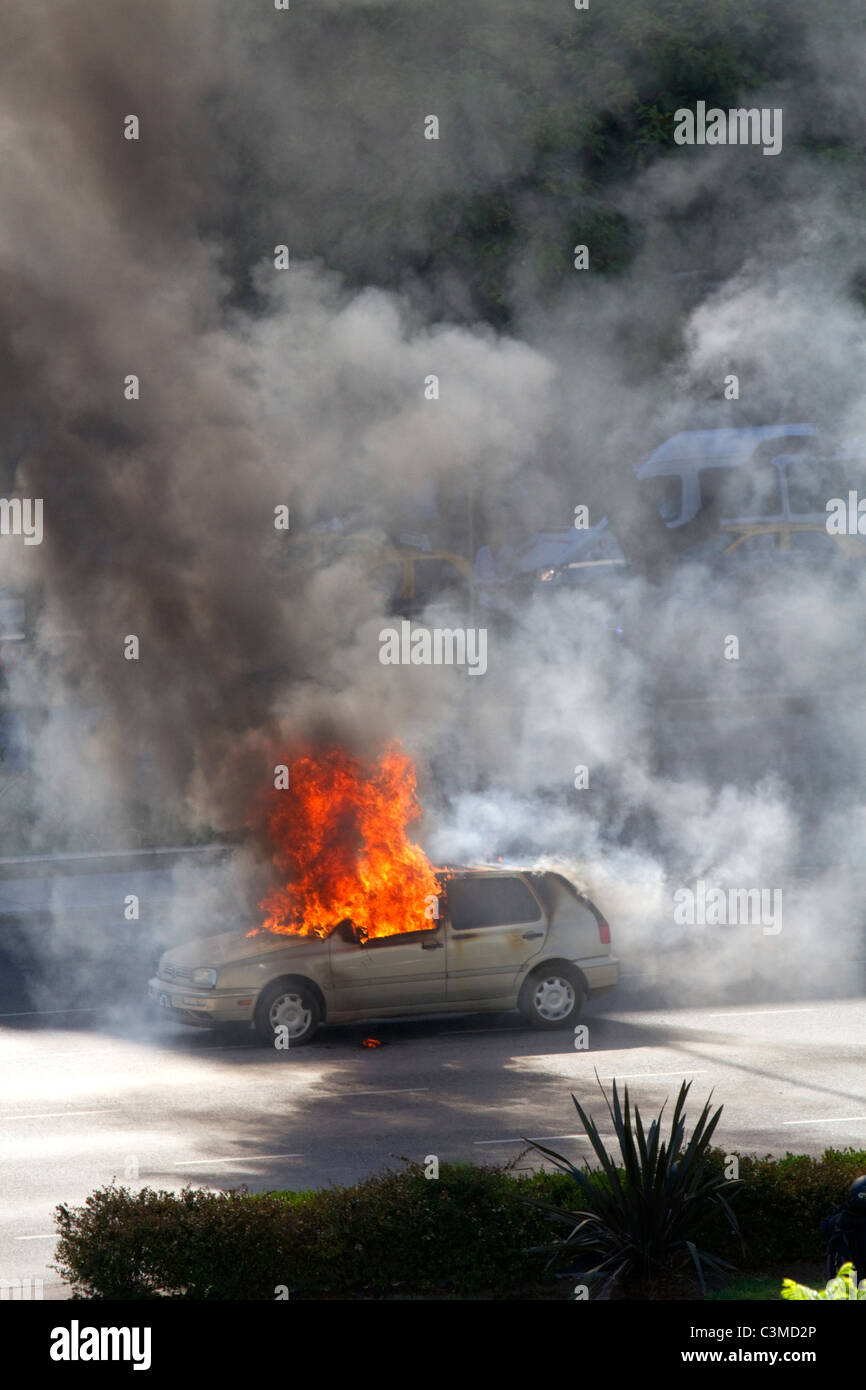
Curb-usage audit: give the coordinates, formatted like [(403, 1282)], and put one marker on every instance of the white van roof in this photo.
[(713, 448)]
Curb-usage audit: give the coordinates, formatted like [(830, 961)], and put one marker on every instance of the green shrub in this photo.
[(465, 1232), (782, 1201), (196, 1244), (470, 1232)]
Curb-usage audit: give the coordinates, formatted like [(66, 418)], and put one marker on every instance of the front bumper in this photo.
[(203, 1007)]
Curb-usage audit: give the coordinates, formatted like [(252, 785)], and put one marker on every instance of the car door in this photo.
[(389, 973), (495, 924)]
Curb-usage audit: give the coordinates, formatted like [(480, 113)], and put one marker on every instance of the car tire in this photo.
[(289, 1004), (552, 997)]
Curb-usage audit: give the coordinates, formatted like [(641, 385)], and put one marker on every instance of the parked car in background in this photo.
[(590, 560), (785, 588), (409, 575), (793, 532), (716, 473), (747, 550)]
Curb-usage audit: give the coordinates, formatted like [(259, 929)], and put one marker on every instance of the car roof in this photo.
[(479, 870)]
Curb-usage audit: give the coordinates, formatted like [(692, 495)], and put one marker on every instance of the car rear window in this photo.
[(490, 902), (546, 886)]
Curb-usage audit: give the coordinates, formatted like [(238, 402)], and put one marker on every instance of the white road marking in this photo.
[(461, 1032), (341, 1095), (630, 1075), (481, 1143), (758, 1013), (37, 1013), (113, 1054), (63, 1114), (236, 1158), (838, 1120), (68, 1056)]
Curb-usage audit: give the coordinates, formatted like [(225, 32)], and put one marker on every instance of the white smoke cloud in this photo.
[(306, 388)]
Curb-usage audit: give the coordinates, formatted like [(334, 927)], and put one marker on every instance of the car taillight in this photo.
[(604, 931)]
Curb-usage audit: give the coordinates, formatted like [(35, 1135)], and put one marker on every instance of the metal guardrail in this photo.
[(106, 861)]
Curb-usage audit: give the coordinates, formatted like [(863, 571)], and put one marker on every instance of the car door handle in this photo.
[(431, 945), (531, 935)]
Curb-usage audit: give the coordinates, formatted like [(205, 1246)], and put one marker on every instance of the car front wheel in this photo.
[(287, 1014), (552, 997)]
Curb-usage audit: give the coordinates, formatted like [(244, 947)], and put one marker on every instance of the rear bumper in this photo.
[(600, 972), (202, 1007)]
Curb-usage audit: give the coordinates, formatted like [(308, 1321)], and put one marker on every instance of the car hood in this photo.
[(232, 946)]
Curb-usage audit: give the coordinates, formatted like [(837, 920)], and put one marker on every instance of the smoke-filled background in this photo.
[(305, 388)]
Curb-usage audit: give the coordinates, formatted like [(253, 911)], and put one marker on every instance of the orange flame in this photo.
[(339, 837)]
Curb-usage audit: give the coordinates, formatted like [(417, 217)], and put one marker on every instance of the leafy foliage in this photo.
[(645, 1219), (782, 1202), (843, 1286), (472, 1231), (596, 109), (396, 1231)]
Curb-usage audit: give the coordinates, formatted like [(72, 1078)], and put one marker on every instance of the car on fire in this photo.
[(503, 939)]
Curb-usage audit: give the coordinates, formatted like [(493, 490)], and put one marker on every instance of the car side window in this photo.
[(545, 887), (490, 902)]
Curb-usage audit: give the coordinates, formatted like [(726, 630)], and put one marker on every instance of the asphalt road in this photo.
[(84, 1101)]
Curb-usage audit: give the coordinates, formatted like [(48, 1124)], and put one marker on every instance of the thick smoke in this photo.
[(305, 388)]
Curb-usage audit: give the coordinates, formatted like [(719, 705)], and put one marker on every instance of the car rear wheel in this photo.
[(287, 1014), (552, 997)]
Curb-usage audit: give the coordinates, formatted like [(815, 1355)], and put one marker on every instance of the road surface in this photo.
[(85, 1099)]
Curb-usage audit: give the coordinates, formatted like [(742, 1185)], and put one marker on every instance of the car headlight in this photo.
[(205, 976)]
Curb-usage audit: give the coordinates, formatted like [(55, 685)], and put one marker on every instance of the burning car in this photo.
[(497, 939), (361, 925)]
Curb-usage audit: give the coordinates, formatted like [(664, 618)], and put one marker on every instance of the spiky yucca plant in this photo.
[(644, 1216)]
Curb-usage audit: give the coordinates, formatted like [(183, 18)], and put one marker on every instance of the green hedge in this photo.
[(781, 1203), (467, 1232), (395, 1232)]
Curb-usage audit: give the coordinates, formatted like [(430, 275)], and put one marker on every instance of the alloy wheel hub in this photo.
[(554, 999), (288, 1012)]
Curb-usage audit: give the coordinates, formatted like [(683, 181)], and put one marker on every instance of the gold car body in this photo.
[(741, 532), (448, 968)]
